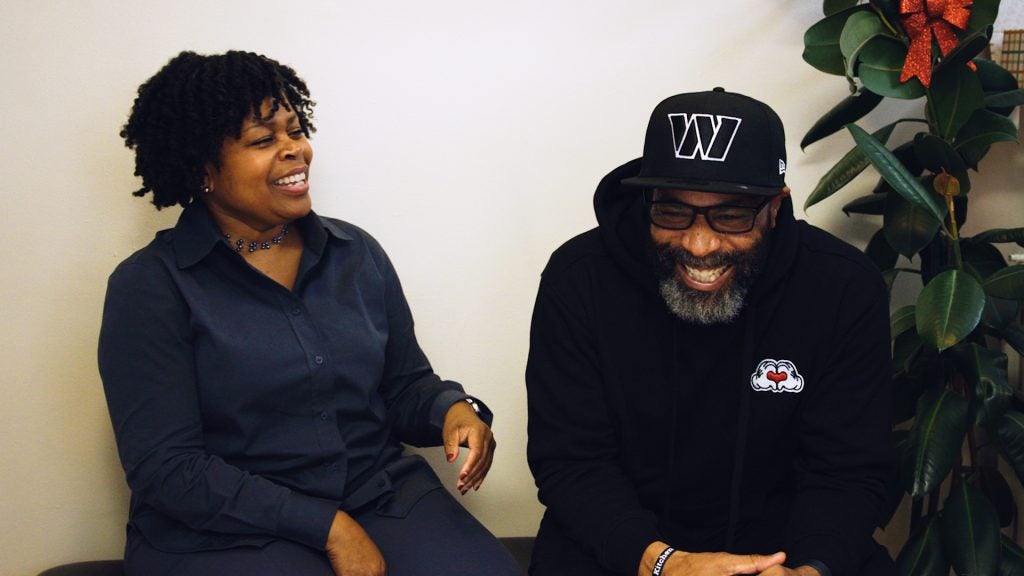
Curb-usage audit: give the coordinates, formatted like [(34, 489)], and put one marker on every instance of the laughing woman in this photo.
[(259, 360)]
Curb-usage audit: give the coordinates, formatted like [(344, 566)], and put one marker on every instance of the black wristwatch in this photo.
[(476, 405)]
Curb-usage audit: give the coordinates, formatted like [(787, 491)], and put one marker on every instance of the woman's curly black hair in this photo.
[(183, 113)]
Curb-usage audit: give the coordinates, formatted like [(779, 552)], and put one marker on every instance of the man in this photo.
[(708, 377)]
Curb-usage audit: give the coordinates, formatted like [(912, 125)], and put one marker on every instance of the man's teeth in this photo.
[(289, 180), (705, 276)]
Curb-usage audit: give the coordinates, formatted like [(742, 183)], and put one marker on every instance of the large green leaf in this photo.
[(908, 227), (1009, 433), (983, 15), (880, 66), (970, 532), (831, 7), (954, 95), (1000, 313), (982, 130), (965, 51), (871, 204), (880, 252), (985, 370), (902, 320), (1007, 283), (923, 555), (906, 349), (949, 308), (895, 173), (850, 109), (983, 257), (1012, 563), (935, 438), (860, 28), (1000, 235), (996, 81), (999, 493), (1010, 99), (849, 166), (937, 155), (821, 42)]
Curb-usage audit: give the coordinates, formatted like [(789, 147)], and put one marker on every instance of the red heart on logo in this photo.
[(776, 377)]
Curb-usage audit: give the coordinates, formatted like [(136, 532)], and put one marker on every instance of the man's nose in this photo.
[(699, 239)]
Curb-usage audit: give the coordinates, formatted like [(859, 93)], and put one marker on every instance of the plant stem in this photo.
[(954, 233)]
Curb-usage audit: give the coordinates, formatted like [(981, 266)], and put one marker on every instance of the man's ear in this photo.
[(777, 203)]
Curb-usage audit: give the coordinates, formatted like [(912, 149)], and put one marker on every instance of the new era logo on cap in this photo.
[(704, 135), (714, 141)]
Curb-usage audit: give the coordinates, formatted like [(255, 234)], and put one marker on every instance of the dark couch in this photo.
[(521, 547)]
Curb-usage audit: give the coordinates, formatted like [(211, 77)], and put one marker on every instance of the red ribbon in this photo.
[(921, 19)]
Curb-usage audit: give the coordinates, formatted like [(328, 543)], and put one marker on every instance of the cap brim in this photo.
[(700, 185)]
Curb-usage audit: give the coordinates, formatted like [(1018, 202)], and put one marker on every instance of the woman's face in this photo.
[(263, 178)]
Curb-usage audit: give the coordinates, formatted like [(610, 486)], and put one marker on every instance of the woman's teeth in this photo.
[(290, 180)]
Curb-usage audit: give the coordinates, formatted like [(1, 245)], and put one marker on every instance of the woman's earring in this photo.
[(206, 189)]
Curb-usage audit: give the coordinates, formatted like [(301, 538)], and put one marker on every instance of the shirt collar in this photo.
[(196, 234)]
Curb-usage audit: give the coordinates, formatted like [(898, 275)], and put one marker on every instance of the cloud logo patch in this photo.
[(776, 376)]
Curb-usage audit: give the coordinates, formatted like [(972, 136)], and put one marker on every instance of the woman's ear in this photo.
[(208, 176)]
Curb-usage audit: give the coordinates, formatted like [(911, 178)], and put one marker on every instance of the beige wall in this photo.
[(466, 135)]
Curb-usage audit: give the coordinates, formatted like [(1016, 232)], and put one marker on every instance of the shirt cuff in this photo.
[(306, 520), (445, 400)]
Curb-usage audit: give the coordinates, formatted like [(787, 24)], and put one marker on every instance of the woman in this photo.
[(259, 360)]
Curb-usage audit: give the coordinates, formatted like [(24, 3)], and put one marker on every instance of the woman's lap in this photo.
[(436, 536)]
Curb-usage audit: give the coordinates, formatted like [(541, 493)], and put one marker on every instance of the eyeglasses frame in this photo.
[(650, 202)]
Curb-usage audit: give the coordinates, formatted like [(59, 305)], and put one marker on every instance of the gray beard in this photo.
[(721, 306)]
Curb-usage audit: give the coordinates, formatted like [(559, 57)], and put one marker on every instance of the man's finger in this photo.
[(757, 563)]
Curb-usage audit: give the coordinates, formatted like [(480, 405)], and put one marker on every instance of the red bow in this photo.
[(922, 18)]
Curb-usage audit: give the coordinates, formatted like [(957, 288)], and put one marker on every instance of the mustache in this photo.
[(676, 255)]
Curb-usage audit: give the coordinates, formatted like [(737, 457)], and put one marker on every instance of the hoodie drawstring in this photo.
[(674, 424), (740, 450)]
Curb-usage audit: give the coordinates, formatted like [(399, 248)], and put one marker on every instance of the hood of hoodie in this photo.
[(626, 235)]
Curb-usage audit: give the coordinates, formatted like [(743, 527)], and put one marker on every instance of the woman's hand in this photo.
[(462, 427), (351, 551)]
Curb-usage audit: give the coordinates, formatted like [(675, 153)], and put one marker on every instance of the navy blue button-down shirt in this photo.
[(244, 411)]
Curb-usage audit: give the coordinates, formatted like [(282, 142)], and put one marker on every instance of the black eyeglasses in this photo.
[(723, 218)]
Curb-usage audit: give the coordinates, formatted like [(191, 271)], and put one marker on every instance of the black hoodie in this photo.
[(644, 427)]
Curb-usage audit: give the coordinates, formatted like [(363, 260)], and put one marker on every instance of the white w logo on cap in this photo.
[(703, 134)]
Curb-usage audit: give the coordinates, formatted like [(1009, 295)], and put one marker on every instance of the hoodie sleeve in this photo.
[(572, 448), (846, 459)]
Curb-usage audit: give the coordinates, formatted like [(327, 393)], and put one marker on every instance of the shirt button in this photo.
[(325, 416), (296, 311), (318, 359)]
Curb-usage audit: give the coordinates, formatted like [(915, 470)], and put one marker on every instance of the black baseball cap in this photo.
[(714, 141)]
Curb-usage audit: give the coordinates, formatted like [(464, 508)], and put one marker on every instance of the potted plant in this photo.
[(955, 414)]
